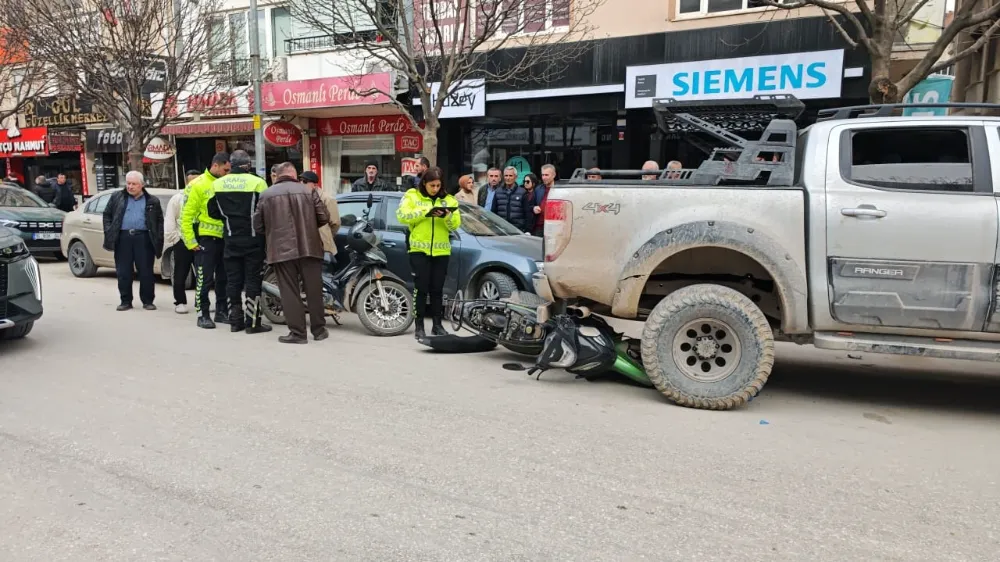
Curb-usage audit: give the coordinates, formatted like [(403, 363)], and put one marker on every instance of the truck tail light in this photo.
[(558, 227)]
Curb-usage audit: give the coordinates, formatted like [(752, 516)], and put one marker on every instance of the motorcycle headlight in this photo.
[(14, 252), (375, 254)]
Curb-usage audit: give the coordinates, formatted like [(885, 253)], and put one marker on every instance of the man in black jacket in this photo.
[(133, 230), (511, 202), (43, 189), (371, 180), (65, 200)]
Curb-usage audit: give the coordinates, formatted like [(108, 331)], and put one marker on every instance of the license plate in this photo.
[(47, 236)]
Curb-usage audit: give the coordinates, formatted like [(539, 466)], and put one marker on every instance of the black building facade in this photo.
[(589, 117)]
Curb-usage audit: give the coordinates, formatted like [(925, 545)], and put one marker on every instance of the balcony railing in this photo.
[(328, 42)]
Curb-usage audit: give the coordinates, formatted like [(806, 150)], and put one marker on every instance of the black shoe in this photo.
[(222, 317), (259, 329), (419, 332), (237, 326), (206, 323), (321, 335), (437, 329), (123, 307), (149, 306), (292, 338)]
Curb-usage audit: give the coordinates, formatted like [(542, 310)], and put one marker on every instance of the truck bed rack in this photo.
[(769, 161)]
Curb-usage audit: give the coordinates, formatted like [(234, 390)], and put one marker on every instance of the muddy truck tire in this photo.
[(708, 347)]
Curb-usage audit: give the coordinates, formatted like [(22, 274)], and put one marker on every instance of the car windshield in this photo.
[(17, 197), (480, 222)]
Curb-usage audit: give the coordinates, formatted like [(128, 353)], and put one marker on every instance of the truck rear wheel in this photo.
[(708, 347)]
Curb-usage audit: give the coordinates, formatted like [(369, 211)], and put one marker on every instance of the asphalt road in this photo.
[(136, 436)]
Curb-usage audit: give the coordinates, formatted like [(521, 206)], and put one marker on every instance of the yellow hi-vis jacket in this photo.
[(428, 235), (199, 193)]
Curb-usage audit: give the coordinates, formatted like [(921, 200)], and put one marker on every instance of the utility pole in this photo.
[(258, 131)]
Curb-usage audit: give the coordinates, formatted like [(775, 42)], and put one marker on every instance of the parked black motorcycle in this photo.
[(362, 284)]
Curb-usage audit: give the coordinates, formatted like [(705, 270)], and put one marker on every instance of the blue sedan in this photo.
[(490, 258)]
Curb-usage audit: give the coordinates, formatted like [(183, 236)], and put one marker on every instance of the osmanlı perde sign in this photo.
[(812, 75)]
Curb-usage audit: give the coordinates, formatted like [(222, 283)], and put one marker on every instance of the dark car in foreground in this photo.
[(490, 258), (20, 286), (36, 222)]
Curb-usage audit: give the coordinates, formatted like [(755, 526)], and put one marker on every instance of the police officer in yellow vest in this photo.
[(203, 235), (432, 215), (234, 202)]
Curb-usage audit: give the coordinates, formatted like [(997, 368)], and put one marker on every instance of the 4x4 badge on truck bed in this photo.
[(595, 208)]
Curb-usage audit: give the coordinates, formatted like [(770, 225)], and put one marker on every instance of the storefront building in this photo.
[(204, 124), (345, 130), (36, 151), (64, 117), (599, 112)]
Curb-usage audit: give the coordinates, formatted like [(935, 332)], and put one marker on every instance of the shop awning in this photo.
[(211, 127)]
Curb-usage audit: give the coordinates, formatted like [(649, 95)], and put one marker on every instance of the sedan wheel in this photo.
[(496, 286), (80, 262)]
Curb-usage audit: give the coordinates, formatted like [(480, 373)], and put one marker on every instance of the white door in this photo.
[(911, 226), (331, 166)]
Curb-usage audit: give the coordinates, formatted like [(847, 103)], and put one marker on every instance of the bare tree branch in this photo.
[(876, 25), (128, 59), (445, 43)]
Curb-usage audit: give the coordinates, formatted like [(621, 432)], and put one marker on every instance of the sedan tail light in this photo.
[(558, 227)]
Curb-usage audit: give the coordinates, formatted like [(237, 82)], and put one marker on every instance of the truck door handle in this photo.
[(864, 212), (389, 244)]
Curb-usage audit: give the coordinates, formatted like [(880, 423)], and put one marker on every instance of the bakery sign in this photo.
[(30, 141)]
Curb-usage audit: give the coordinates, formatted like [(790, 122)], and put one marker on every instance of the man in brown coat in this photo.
[(289, 215)]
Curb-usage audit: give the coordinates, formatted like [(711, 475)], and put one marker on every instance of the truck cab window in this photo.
[(911, 158)]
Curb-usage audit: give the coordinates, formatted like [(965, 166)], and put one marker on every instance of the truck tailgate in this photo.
[(611, 223)]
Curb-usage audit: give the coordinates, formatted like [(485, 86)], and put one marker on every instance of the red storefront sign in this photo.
[(351, 126), (409, 142), (340, 91), (282, 133), (410, 166), (408, 139), (84, 184), (316, 157), (222, 103), (65, 142), (30, 141)]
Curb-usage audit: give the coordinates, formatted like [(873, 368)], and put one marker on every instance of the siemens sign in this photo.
[(805, 75)]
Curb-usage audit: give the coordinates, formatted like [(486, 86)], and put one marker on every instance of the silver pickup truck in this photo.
[(866, 231)]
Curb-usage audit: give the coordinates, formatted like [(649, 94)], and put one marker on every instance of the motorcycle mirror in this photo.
[(371, 200)]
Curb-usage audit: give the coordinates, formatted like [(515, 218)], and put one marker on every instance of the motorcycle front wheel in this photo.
[(389, 318)]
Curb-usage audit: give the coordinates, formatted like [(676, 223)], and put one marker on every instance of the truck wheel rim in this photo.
[(707, 350), (489, 291)]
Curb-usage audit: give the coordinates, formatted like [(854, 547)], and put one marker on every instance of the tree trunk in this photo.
[(135, 160), (882, 89), (430, 132)]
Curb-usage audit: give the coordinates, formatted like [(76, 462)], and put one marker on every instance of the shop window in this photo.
[(910, 158), (566, 143)]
